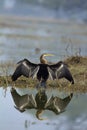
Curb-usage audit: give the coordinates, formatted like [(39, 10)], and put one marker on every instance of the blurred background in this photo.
[(66, 9), (29, 28)]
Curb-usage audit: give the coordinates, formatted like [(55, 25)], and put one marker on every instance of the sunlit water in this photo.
[(74, 118)]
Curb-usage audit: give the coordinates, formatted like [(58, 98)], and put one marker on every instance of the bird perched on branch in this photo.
[(42, 71)]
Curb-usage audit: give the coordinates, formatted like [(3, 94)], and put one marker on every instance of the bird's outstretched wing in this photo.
[(58, 105), (60, 70), (23, 102), (25, 68)]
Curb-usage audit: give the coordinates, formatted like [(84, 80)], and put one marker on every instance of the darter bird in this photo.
[(42, 71), (40, 102)]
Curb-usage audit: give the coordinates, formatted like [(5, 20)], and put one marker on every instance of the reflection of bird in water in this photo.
[(41, 99), (58, 105), (40, 102), (23, 102), (42, 71)]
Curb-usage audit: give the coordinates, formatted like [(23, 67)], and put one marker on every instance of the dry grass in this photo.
[(77, 66)]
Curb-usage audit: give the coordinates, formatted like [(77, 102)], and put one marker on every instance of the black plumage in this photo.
[(40, 102), (42, 71), (41, 99), (58, 105), (23, 102)]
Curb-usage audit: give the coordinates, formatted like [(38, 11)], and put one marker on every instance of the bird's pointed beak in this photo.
[(48, 54)]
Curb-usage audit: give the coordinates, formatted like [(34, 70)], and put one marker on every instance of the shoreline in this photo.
[(78, 67)]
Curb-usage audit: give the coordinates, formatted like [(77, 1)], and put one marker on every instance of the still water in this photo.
[(74, 118), (29, 38)]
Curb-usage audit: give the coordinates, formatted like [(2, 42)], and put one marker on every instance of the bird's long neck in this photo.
[(43, 60), (38, 113)]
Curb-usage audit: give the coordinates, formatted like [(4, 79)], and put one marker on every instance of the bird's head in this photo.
[(42, 57)]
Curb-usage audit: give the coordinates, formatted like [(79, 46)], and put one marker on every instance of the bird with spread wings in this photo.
[(42, 71), (40, 102)]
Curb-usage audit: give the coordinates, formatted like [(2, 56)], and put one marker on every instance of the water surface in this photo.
[(73, 118)]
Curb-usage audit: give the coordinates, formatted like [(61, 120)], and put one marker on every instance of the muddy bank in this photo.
[(76, 64)]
